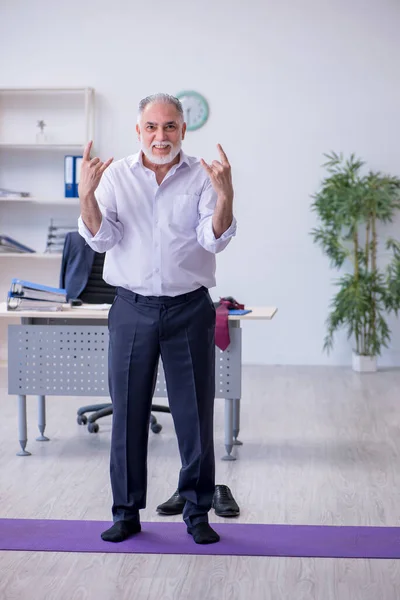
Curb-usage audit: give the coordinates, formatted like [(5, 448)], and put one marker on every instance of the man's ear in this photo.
[(138, 130), (183, 130)]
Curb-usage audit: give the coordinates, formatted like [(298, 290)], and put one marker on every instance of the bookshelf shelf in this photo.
[(30, 255), (43, 147), (30, 199)]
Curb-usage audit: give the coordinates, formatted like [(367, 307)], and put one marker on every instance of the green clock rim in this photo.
[(205, 104)]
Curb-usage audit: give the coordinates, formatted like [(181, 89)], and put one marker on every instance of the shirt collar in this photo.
[(136, 160)]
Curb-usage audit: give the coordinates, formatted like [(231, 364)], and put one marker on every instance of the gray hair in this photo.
[(161, 99)]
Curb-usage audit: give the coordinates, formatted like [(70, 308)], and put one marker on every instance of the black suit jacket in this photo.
[(76, 264)]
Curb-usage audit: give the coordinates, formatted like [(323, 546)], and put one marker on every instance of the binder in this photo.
[(69, 176), (28, 289), (13, 193), (17, 303), (56, 236), (8, 244), (77, 174)]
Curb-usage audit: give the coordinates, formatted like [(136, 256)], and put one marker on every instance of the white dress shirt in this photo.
[(158, 238)]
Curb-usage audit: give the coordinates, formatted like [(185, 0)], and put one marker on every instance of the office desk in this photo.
[(65, 353)]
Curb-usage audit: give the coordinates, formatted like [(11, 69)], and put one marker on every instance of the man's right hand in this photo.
[(92, 170)]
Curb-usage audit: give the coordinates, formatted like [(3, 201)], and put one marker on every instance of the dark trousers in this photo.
[(181, 330)]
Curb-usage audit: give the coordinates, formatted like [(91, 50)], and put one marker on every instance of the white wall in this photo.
[(286, 81)]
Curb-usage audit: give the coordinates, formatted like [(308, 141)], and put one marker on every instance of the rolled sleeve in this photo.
[(205, 232), (111, 230)]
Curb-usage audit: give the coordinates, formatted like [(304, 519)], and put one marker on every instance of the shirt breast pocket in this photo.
[(185, 211)]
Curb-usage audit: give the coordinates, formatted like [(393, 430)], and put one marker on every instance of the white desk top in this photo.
[(264, 313)]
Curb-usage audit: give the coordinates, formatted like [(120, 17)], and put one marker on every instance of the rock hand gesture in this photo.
[(91, 172)]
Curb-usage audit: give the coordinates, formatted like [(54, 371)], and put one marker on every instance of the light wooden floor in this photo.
[(322, 446)]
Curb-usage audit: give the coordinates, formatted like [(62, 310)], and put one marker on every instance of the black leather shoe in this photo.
[(173, 506), (224, 503)]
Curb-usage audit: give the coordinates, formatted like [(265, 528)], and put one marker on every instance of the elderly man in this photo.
[(161, 216)]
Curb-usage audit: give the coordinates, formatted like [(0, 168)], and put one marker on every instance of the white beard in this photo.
[(161, 160)]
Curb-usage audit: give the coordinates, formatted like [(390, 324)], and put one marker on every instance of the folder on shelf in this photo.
[(56, 236), (5, 193), (36, 291), (8, 244), (77, 173), (69, 176), (18, 303)]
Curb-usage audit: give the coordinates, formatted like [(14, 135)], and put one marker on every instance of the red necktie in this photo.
[(222, 338)]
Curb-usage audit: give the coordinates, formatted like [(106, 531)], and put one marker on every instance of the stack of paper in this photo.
[(27, 295)]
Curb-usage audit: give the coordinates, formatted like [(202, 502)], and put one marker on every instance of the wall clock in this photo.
[(195, 109)]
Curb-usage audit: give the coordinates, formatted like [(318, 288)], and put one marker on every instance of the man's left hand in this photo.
[(220, 175)]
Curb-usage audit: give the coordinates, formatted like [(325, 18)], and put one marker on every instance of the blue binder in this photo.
[(18, 286), (69, 176), (77, 174)]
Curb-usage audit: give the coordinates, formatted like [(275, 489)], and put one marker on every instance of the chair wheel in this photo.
[(93, 428), (156, 428), (81, 419)]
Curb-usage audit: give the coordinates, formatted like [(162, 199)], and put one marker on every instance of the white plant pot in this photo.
[(364, 364)]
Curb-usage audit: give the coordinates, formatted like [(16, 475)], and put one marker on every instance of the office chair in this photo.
[(96, 291)]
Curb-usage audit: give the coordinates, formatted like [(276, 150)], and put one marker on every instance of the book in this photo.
[(36, 291)]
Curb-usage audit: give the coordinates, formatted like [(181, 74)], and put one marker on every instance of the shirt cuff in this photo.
[(100, 236), (213, 244), (230, 232)]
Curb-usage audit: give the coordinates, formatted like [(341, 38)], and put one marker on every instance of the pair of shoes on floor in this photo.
[(223, 503)]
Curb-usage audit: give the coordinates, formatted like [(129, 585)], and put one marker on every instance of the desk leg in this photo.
[(236, 422), (22, 426), (228, 429), (42, 419)]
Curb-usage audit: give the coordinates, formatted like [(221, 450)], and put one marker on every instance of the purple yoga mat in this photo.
[(236, 539)]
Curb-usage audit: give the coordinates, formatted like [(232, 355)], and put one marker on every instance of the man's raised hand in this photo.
[(220, 174), (92, 170)]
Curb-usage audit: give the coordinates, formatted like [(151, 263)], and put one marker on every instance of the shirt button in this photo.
[(157, 270)]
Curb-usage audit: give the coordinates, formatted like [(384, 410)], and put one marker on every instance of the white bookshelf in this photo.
[(34, 164), (38, 168)]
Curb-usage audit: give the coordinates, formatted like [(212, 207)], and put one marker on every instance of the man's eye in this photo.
[(170, 127)]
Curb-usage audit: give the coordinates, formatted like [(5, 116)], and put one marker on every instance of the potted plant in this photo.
[(350, 205)]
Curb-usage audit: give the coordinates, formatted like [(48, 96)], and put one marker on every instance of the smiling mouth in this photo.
[(161, 147)]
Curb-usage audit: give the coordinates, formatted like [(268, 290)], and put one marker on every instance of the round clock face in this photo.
[(195, 109)]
